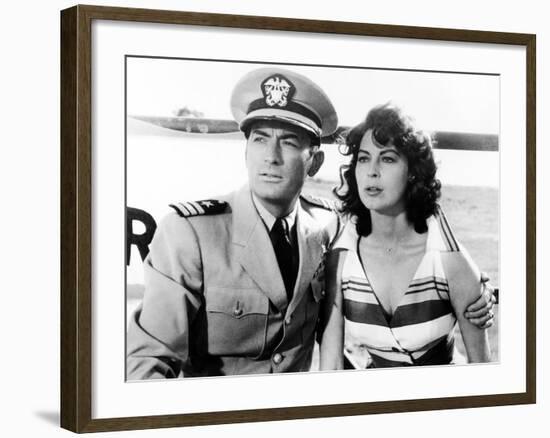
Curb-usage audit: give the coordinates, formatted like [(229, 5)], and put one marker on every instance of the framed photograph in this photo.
[(190, 140)]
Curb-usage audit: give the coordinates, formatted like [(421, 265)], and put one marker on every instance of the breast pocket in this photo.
[(236, 321)]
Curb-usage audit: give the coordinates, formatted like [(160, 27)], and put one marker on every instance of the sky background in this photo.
[(438, 101)]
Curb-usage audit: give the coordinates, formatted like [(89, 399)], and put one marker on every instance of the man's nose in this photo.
[(273, 152)]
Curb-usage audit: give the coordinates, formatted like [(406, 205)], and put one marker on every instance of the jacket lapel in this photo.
[(310, 245), (254, 250)]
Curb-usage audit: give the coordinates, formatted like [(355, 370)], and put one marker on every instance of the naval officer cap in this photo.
[(283, 95)]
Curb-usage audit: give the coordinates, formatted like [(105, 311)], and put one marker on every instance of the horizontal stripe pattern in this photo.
[(394, 360), (370, 336), (440, 353), (357, 284), (364, 313), (427, 295), (420, 331), (415, 337), (359, 296), (420, 313), (427, 283)]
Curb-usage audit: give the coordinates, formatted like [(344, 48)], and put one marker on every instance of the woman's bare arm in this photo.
[(464, 288), (332, 342)]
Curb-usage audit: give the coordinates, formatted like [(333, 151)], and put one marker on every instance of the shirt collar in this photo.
[(269, 219)]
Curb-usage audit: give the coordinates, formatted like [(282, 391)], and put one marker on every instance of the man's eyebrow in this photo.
[(290, 135), (286, 135), (259, 131)]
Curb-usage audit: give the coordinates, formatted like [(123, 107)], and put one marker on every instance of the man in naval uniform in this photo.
[(234, 285)]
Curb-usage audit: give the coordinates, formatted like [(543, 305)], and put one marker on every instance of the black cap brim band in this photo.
[(291, 106)]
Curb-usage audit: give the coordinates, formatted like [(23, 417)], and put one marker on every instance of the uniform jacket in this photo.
[(215, 301)]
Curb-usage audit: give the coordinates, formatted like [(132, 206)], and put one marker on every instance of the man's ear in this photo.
[(317, 162)]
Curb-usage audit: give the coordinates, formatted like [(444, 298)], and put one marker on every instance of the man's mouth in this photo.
[(270, 176)]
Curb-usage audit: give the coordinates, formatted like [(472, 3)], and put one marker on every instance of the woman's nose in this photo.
[(373, 170)]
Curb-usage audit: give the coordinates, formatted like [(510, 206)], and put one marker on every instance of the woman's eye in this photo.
[(363, 159), (388, 160)]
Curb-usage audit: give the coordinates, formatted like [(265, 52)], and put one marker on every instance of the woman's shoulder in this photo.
[(440, 234)]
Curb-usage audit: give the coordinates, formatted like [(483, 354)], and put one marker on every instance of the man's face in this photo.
[(278, 158)]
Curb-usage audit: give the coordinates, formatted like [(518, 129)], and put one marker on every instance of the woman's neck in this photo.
[(389, 230)]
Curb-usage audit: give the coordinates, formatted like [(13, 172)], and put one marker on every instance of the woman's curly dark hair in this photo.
[(390, 125)]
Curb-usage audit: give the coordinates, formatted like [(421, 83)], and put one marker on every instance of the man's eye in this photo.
[(290, 144), (258, 139)]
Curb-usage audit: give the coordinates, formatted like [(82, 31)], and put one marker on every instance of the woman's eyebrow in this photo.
[(388, 150)]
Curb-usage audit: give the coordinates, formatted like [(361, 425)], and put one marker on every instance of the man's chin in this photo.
[(273, 197)]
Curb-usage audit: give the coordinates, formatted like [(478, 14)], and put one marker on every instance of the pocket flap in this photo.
[(236, 302)]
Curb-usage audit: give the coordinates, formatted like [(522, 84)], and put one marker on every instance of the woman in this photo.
[(397, 280)]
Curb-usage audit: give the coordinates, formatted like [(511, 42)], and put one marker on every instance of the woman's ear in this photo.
[(317, 162)]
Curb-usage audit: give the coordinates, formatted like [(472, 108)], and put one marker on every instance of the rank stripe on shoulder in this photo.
[(196, 207), (199, 208)]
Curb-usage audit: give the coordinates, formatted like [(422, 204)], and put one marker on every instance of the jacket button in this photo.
[(277, 358), (238, 311), (288, 320)]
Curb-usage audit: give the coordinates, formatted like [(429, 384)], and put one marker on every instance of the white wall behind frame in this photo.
[(30, 182)]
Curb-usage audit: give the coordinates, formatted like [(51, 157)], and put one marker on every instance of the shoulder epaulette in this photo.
[(199, 208), (327, 204)]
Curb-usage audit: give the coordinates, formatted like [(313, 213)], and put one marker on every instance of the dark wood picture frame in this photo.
[(76, 217)]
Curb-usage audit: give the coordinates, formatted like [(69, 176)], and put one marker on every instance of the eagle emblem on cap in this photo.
[(277, 90)]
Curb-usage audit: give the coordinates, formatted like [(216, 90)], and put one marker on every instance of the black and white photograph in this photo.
[(288, 218), (272, 219)]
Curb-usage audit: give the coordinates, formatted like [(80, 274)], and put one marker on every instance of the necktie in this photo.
[(280, 238)]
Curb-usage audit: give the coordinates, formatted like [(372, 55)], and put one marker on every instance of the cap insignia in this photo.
[(277, 90)]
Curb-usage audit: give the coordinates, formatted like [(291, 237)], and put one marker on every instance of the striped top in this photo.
[(420, 331)]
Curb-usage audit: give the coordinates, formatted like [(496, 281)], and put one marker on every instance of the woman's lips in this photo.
[(373, 191)]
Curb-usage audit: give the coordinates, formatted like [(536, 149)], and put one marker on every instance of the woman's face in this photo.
[(381, 173)]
